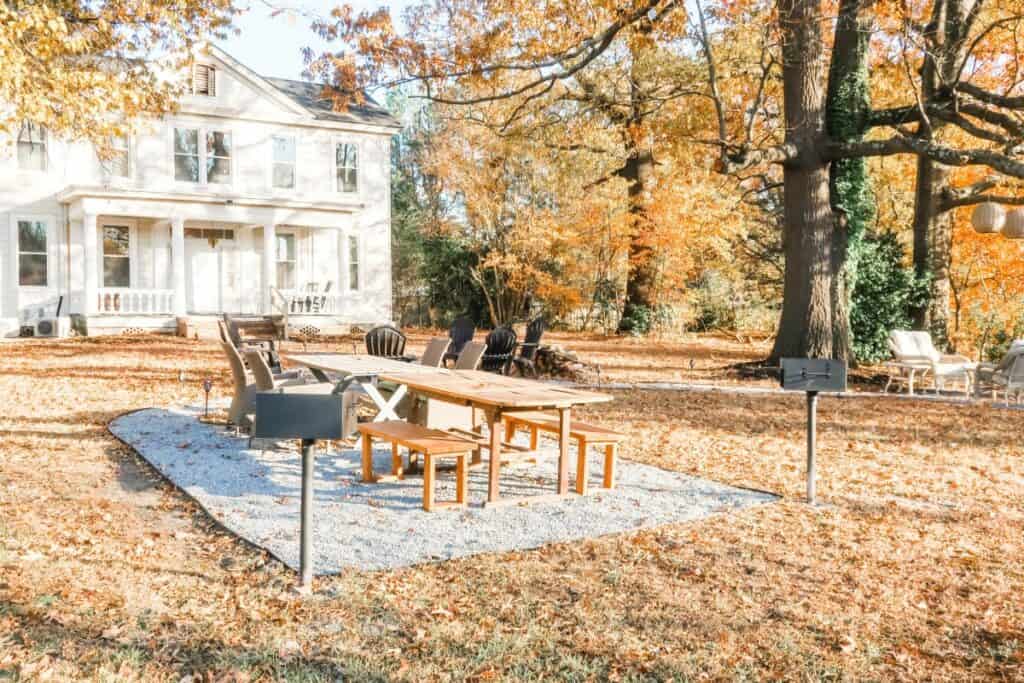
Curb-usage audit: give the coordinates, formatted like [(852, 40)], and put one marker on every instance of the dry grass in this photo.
[(911, 569)]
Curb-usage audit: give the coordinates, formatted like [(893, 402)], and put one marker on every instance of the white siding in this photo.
[(253, 118)]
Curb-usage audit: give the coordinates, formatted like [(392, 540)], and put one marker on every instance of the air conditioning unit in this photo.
[(53, 327)]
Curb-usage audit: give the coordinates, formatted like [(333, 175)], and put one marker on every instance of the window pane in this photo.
[(115, 240), (119, 165), (32, 236), (345, 155), (116, 271), (285, 275), (218, 144), (186, 168), (353, 262), (284, 175), (186, 141), (284, 149), (347, 180), (218, 170), (286, 247), (32, 270)]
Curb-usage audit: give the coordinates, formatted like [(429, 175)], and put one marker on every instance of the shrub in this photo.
[(885, 291)]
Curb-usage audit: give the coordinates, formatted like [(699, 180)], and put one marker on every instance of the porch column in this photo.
[(178, 264), (269, 273), (90, 255)]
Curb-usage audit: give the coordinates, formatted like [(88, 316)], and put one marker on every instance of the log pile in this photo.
[(555, 361)]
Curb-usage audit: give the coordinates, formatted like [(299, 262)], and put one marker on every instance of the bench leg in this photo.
[(609, 466), (396, 460), (428, 482), (581, 467), (367, 458), (461, 479), (533, 438)]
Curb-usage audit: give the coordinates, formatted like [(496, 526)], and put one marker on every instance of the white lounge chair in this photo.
[(1007, 374), (915, 357)]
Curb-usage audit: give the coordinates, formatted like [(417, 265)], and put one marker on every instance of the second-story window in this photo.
[(204, 80), (283, 171), (120, 164), (32, 147), (218, 157), (346, 161), (186, 155), (209, 163)]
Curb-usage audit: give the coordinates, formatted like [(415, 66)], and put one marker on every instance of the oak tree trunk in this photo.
[(806, 325), (639, 175)]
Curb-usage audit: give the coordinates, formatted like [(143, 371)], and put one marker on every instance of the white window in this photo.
[(218, 157), (32, 261), (283, 164), (186, 155), (286, 261), (209, 163), (353, 263), (204, 80), (117, 266), (120, 164), (346, 163), (32, 147)]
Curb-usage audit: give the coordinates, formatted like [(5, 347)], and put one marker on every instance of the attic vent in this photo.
[(204, 80)]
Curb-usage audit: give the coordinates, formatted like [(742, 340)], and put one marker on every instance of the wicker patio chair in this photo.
[(469, 357), (1007, 374), (434, 354)]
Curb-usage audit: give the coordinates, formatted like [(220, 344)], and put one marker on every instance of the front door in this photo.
[(211, 263)]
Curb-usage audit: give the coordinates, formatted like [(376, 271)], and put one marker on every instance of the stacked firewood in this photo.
[(555, 361)]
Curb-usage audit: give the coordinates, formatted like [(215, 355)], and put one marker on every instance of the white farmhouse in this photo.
[(254, 197)]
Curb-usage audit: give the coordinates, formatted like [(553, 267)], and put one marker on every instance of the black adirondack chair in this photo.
[(525, 361), (461, 332), (387, 341), (501, 345)]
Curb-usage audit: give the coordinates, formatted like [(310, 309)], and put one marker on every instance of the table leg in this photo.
[(564, 432), (306, 530), (386, 408), (494, 424)]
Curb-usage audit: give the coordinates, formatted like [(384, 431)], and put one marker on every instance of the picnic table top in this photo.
[(492, 390), (354, 364)]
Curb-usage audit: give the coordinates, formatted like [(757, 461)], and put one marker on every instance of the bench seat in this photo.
[(585, 435), (431, 443)]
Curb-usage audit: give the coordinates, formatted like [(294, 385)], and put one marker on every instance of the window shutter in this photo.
[(204, 80)]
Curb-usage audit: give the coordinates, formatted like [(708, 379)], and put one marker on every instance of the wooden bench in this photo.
[(431, 443), (586, 435)]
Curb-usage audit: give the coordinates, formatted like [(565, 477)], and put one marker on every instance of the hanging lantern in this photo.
[(1014, 226), (988, 217)]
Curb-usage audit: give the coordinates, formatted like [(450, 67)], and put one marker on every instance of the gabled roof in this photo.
[(310, 97), (304, 97)]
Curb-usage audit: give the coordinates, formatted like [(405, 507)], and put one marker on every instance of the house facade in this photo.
[(254, 198)]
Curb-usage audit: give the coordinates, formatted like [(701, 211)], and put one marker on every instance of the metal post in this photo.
[(305, 542), (812, 438)]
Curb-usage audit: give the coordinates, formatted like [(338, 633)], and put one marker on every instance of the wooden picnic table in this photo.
[(362, 371), (496, 395)]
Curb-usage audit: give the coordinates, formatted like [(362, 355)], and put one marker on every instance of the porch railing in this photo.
[(300, 302), (137, 301)]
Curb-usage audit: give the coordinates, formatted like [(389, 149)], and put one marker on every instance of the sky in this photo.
[(272, 45)]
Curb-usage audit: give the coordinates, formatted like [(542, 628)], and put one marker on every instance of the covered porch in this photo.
[(133, 257)]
